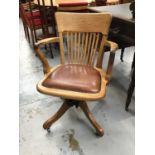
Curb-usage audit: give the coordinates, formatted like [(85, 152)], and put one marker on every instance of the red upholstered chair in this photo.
[(35, 17), (80, 77), (47, 11), (31, 20)]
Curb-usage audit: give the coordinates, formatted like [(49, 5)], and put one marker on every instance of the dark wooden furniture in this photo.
[(122, 29), (48, 18), (131, 85), (100, 2), (73, 7), (79, 78), (31, 19), (38, 19)]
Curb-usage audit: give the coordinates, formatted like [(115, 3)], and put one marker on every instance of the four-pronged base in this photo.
[(65, 106)]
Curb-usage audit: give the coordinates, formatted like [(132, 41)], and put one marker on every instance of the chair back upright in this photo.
[(82, 33)]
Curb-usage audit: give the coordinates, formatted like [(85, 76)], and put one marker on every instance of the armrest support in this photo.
[(113, 46), (40, 54)]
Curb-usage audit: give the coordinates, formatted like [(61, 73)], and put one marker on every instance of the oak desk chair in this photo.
[(79, 79)]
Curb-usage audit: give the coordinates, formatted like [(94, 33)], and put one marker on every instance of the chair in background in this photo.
[(31, 19), (47, 12), (80, 78), (38, 19)]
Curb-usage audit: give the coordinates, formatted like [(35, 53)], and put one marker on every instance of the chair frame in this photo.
[(73, 98)]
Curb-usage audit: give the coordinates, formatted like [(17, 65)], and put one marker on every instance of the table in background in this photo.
[(57, 2), (122, 29)]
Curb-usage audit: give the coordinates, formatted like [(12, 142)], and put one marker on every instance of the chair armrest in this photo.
[(113, 46), (40, 54), (47, 41)]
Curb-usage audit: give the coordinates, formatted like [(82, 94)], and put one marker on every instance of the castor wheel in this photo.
[(48, 130)]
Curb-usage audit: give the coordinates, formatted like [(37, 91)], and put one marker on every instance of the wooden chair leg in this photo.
[(91, 118), (26, 30), (24, 25), (32, 38), (57, 115), (51, 51), (28, 35), (130, 90), (45, 46), (133, 62), (122, 54)]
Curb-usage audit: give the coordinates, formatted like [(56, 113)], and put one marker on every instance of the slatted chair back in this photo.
[(81, 34)]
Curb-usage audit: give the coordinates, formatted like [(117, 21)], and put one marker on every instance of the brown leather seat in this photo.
[(76, 77)]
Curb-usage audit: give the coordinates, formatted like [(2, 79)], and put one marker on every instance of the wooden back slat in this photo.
[(79, 47), (92, 49), (89, 48), (75, 47)]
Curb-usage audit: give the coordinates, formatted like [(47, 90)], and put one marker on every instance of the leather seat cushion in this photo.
[(75, 77)]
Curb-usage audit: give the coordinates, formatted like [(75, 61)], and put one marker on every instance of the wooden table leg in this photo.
[(130, 90), (122, 54)]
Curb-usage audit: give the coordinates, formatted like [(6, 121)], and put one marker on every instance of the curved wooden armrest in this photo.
[(47, 41), (113, 46), (40, 54)]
